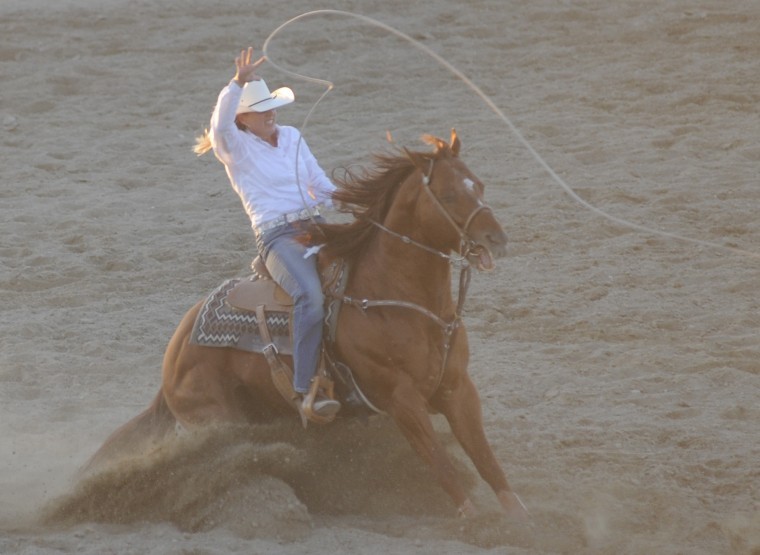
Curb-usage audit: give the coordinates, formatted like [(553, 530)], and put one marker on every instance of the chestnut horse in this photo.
[(400, 329)]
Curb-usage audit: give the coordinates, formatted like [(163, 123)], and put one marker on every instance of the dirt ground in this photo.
[(616, 347)]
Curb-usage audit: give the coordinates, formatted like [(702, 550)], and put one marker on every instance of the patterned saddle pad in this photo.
[(220, 324)]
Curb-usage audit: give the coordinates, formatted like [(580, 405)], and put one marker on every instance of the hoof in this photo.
[(513, 506)]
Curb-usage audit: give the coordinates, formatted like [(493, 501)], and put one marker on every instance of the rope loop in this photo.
[(491, 105)]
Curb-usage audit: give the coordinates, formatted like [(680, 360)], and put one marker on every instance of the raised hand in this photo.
[(246, 68)]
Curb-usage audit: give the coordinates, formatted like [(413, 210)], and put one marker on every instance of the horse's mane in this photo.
[(367, 195)]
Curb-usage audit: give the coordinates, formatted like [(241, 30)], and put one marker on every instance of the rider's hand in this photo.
[(246, 68)]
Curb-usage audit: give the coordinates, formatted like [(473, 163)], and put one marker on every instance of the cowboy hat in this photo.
[(257, 98)]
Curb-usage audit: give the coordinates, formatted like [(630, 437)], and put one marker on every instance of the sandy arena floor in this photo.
[(616, 347)]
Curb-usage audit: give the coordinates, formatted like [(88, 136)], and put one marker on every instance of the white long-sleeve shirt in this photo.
[(264, 176)]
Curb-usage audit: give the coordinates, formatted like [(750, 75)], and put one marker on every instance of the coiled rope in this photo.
[(495, 109)]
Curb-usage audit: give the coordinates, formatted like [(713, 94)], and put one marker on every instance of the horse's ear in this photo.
[(440, 145), (456, 144)]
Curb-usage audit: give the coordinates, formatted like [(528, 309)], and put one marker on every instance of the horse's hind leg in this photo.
[(203, 387), (210, 385), (462, 409)]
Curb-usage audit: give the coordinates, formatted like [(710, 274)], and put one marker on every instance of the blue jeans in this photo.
[(284, 258)]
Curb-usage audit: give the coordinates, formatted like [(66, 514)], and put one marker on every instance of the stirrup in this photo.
[(306, 408)]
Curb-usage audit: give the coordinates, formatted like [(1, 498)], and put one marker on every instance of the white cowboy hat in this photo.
[(257, 98)]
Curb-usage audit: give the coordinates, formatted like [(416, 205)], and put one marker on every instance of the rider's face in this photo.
[(261, 124)]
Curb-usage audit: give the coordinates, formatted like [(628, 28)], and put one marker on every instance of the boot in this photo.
[(318, 405)]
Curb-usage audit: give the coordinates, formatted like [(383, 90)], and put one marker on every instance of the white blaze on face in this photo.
[(470, 185)]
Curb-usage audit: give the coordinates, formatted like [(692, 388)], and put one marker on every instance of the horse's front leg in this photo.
[(409, 410), (461, 407)]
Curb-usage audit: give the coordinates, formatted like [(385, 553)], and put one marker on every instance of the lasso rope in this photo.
[(495, 109)]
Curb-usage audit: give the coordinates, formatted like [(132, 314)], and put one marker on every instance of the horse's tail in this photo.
[(138, 435)]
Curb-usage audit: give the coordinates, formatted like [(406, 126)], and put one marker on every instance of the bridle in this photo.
[(466, 247), (466, 243)]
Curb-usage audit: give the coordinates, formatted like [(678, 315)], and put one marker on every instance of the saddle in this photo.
[(254, 314), (262, 296), (249, 295)]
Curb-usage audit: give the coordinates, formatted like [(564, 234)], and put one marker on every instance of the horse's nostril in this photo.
[(496, 239)]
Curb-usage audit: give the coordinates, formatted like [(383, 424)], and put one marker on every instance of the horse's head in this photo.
[(456, 197)]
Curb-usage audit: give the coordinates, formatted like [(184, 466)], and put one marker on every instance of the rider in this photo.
[(279, 193)]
